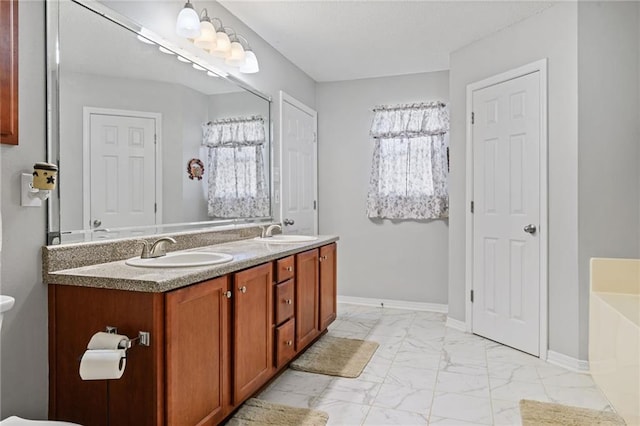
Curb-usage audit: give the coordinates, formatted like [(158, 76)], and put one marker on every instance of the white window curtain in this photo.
[(409, 168), (236, 177)]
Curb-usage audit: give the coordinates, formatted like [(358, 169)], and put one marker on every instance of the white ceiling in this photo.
[(334, 40)]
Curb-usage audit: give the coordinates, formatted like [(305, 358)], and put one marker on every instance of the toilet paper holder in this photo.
[(143, 339)]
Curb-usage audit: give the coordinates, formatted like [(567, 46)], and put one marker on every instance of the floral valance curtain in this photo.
[(409, 168), (234, 132), (236, 179)]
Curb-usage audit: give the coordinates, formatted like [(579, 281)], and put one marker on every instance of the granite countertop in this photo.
[(120, 276)]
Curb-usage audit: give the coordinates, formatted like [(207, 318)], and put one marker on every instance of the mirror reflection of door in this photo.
[(121, 161)]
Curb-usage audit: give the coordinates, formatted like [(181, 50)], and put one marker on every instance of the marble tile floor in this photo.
[(426, 373)]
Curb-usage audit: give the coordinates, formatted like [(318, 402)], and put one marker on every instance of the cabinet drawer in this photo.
[(285, 349), (285, 268), (284, 301)]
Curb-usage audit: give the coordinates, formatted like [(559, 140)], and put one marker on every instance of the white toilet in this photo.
[(6, 303)]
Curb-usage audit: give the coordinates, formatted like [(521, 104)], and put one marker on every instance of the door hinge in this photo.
[(315, 137), (155, 207), (314, 204), (473, 118), (155, 139), (471, 296), (472, 207)]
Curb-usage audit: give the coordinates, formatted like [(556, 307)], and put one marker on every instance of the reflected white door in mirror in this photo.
[(121, 154)]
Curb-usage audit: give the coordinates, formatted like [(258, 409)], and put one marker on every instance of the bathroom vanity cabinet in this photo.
[(213, 345)]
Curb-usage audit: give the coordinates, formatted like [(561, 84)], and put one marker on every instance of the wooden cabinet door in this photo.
[(9, 72), (253, 330), (306, 298), (198, 353), (328, 291)]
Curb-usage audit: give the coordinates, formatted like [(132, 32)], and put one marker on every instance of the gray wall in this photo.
[(23, 350), (551, 34), (404, 260), (24, 368), (609, 135)]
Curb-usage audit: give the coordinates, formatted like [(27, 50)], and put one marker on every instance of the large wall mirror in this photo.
[(147, 143)]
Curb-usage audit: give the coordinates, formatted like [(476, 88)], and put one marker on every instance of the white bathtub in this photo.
[(614, 333)]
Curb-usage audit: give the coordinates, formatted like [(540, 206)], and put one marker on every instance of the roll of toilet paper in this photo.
[(103, 364), (102, 340)]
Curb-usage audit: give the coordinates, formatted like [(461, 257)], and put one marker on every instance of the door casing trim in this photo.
[(541, 67)]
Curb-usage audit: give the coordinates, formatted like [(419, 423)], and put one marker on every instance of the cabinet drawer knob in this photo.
[(289, 268), (288, 301), (243, 289), (228, 294), (289, 343)]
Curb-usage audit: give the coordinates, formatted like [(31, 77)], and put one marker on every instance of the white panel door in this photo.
[(506, 194), (123, 191), (299, 169)]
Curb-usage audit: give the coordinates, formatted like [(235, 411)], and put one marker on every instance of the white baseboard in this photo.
[(396, 304), (456, 324), (562, 360)]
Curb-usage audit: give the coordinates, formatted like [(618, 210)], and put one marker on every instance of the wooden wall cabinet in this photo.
[(213, 344), (9, 72)]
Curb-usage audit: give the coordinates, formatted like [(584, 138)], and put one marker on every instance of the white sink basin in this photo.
[(6, 303), (287, 239), (182, 260)]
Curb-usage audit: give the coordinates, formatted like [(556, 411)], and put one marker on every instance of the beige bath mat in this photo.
[(336, 356), (256, 412), (535, 413)]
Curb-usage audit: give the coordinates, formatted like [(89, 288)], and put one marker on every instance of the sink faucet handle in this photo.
[(145, 249), (158, 248), (269, 231)]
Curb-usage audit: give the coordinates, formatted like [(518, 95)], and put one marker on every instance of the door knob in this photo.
[(288, 222), (530, 229), (97, 223)]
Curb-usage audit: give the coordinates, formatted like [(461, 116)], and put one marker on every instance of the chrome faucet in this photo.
[(157, 248), (269, 231)]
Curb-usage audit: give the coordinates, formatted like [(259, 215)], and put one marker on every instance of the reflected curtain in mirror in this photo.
[(409, 168), (237, 186)]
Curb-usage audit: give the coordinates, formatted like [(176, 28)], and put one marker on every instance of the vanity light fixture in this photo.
[(207, 38), (211, 74), (188, 24), (216, 39), (165, 50), (185, 60), (198, 67)]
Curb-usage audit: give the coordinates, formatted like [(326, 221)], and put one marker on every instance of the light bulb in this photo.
[(236, 56), (188, 23), (207, 38), (250, 64), (223, 45)]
